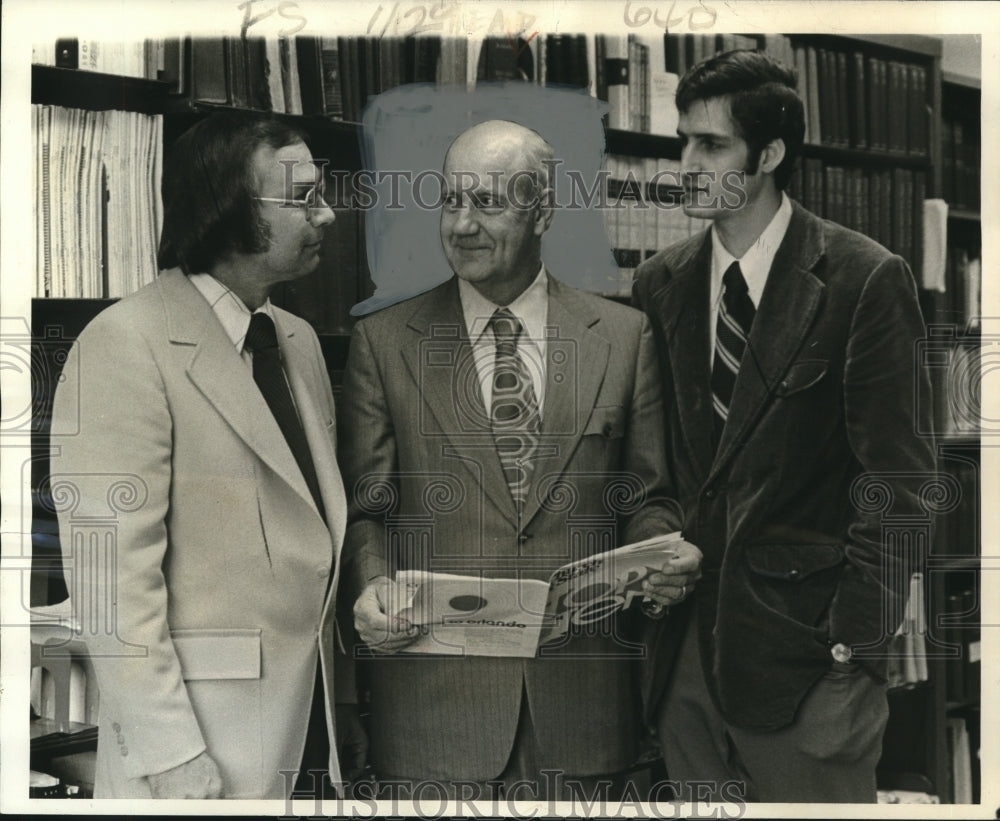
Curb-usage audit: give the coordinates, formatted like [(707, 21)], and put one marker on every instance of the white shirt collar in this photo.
[(229, 308), (756, 262), (531, 307)]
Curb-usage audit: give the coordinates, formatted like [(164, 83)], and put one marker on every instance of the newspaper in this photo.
[(478, 616)]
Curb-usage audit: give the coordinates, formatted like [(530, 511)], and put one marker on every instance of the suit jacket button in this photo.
[(523, 537), (322, 571), (710, 493), (116, 727), (124, 751), (607, 430), (120, 739)]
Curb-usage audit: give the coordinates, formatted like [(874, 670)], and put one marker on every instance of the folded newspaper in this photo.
[(479, 616)]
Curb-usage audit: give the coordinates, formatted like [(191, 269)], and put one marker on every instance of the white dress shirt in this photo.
[(532, 308), (231, 311), (754, 264), (234, 315)]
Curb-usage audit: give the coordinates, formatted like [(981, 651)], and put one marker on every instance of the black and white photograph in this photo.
[(476, 409)]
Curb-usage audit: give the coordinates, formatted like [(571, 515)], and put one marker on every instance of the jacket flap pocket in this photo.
[(607, 421), (801, 375), (224, 653), (793, 562)]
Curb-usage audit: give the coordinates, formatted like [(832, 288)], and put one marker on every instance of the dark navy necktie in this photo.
[(262, 340)]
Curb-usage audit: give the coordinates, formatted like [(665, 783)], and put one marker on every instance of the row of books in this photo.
[(857, 101), (961, 153), (138, 58), (96, 200), (883, 203), (852, 99), (955, 308), (637, 226), (960, 304)]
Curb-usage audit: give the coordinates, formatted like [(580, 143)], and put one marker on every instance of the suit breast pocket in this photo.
[(607, 421), (802, 375), (221, 669)]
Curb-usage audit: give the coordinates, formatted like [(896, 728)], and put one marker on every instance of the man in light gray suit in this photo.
[(212, 408), (505, 424)]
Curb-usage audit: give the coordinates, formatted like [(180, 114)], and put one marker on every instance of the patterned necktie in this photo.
[(732, 328), (270, 378), (514, 410)]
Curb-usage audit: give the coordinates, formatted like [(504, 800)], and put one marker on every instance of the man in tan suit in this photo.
[(213, 409), (430, 458)]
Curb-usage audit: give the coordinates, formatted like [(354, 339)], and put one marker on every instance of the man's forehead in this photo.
[(474, 178), (289, 162), (708, 116)]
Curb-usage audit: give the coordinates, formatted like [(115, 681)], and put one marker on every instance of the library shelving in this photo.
[(885, 131)]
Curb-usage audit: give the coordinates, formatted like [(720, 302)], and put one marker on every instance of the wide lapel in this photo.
[(786, 311), (440, 360), (682, 305), (226, 382), (300, 364), (576, 360)]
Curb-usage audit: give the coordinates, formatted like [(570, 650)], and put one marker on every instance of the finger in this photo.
[(673, 579), (380, 627), (385, 639), (681, 564), (667, 593), (653, 596)]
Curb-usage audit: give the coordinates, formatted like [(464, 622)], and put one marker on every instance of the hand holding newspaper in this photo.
[(472, 615)]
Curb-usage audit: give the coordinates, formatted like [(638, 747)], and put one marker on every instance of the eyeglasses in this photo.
[(483, 202), (313, 199)]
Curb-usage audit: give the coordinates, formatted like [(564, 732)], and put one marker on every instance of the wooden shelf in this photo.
[(637, 144), (963, 704), (74, 88), (962, 80), (853, 156), (912, 43), (963, 215)]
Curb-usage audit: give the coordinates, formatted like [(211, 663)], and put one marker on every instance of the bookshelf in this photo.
[(956, 590), (851, 171)]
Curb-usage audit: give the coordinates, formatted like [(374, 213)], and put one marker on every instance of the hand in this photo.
[(352, 742), (197, 778), (380, 631), (676, 578)]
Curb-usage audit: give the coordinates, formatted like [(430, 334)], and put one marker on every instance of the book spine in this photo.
[(209, 73), (843, 117), (310, 71), (617, 70), (332, 94), (600, 67), (859, 114)]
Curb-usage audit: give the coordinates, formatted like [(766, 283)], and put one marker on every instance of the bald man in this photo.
[(538, 407)]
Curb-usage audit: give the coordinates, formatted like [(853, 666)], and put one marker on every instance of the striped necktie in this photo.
[(514, 411), (732, 328)]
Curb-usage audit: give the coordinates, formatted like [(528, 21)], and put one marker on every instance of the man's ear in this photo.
[(545, 211), (772, 155)]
